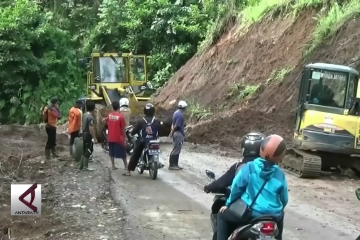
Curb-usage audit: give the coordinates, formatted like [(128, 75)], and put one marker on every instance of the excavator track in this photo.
[(301, 164)]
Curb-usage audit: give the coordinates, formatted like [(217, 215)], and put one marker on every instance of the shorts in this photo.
[(117, 150)]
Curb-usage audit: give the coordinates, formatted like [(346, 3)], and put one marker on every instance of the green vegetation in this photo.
[(195, 110), (248, 91), (38, 60), (330, 22), (279, 75), (42, 40), (241, 91)]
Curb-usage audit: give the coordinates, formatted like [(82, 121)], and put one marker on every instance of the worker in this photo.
[(178, 134), (89, 136), (51, 114), (116, 135), (147, 128), (74, 121), (125, 110)]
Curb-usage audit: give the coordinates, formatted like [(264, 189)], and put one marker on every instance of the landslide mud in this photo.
[(75, 205), (272, 45)]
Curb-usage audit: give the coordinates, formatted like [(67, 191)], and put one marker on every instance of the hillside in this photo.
[(249, 79)]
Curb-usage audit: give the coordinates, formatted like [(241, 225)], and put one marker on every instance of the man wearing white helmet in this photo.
[(178, 135), (125, 110)]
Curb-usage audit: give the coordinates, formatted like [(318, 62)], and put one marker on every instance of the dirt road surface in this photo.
[(175, 207), (91, 205)]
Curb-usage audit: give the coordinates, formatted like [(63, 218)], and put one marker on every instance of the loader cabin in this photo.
[(118, 68), (115, 71), (330, 88)]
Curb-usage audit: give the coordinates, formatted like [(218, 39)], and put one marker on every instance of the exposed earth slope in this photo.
[(250, 81)]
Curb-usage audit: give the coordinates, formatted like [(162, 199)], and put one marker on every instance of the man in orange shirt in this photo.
[(51, 115), (74, 123)]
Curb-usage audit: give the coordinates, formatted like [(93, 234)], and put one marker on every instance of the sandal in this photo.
[(126, 174)]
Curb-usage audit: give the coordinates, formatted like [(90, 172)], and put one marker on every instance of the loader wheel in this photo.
[(78, 149), (99, 125)]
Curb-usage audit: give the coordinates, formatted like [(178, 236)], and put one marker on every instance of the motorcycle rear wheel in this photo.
[(153, 168)]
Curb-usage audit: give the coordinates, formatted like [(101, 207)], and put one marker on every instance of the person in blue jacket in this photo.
[(248, 181)]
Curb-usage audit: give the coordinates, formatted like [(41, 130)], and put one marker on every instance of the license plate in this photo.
[(154, 152), (266, 238)]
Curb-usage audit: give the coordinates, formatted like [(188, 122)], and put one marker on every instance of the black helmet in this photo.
[(149, 110), (251, 143)]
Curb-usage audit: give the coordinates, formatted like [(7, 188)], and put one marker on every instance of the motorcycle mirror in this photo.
[(210, 174), (357, 193)]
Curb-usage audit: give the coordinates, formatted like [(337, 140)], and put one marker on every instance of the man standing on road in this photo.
[(116, 135), (51, 115), (74, 123), (89, 136), (178, 135)]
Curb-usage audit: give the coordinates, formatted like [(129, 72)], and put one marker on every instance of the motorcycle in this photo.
[(131, 140), (130, 143), (259, 228), (149, 159)]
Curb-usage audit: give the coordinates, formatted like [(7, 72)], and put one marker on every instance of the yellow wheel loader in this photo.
[(327, 125), (112, 76)]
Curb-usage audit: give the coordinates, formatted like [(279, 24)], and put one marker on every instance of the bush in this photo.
[(37, 62)]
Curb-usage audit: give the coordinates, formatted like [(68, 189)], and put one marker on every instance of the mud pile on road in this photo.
[(20, 163), (269, 50), (75, 205)]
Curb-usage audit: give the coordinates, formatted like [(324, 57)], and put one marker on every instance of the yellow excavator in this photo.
[(112, 76), (327, 123)]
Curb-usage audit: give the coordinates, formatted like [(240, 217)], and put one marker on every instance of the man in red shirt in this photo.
[(116, 135)]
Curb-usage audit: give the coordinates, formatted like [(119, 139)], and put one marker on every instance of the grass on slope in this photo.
[(330, 22), (253, 12)]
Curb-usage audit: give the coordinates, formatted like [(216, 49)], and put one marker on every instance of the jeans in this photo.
[(226, 224)]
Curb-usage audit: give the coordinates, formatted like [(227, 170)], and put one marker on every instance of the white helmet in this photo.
[(182, 104), (124, 102)]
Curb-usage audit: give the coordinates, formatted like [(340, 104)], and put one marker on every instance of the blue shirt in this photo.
[(248, 181), (178, 121)]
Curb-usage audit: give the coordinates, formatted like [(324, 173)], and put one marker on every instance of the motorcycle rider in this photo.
[(248, 182), (250, 148), (147, 128)]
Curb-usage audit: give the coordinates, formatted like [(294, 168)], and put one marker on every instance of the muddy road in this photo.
[(103, 204), (175, 207)]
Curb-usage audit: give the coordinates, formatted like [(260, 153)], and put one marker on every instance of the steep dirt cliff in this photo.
[(250, 81)]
